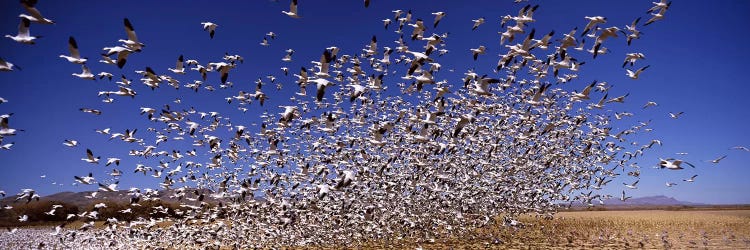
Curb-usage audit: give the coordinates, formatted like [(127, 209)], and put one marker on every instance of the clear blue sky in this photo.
[(697, 56)]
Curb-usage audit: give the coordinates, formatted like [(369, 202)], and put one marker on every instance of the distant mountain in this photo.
[(658, 200)]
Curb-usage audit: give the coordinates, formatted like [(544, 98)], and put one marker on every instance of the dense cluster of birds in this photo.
[(366, 157)]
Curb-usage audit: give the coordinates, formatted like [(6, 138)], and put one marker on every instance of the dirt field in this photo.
[(647, 229)]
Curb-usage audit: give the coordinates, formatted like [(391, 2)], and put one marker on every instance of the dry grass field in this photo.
[(635, 229), (620, 229)]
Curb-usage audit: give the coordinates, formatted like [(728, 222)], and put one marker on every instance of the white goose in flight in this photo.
[(210, 27), (321, 85), (132, 42), (292, 10), (70, 143), (477, 22), (75, 56), (632, 57), (673, 164), (717, 160), (35, 16), (23, 35), (593, 22), (90, 157), (122, 54), (179, 68), (650, 104), (5, 130), (584, 95), (692, 179), (632, 186), (88, 180), (478, 51), (7, 66), (109, 188), (438, 16), (634, 75), (659, 15), (85, 74), (676, 115)]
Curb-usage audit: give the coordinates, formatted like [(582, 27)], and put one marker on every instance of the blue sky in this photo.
[(696, 56)]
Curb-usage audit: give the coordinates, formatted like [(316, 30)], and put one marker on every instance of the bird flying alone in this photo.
[(35, 16), (210, 27), (634, 75), (75, 56), (23, 35), (292, 10)]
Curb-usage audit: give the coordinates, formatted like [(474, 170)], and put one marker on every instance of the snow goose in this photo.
[(593, 22), (35, 16), (132, 42), (691, 179), (7, 66), (90, 157), (70, 143), (288, 56), (632, 57), (477, 22), (109, 188), (623, 197), (632, 186), (179, 69), (75, 56), (103, 75), (634, 75), (122, 54), (717, 160), (5, 130), (584, 95), (659, 5), (321, 85), (223, 68), (85, 74), (107, 60), (620, 99), (659, 15), (438, 16), (650, 104), (210, 27), (23, 35), (478, 51), (110, 161), (88, 180), (676, 115), (673, 164), (386, 22), (292, 10)]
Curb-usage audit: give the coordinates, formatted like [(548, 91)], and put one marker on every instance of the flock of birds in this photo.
[(382, 150)]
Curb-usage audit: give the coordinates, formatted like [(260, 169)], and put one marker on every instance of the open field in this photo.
[(648, 229)]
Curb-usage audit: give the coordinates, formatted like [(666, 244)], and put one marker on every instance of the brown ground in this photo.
[(646, 229)]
